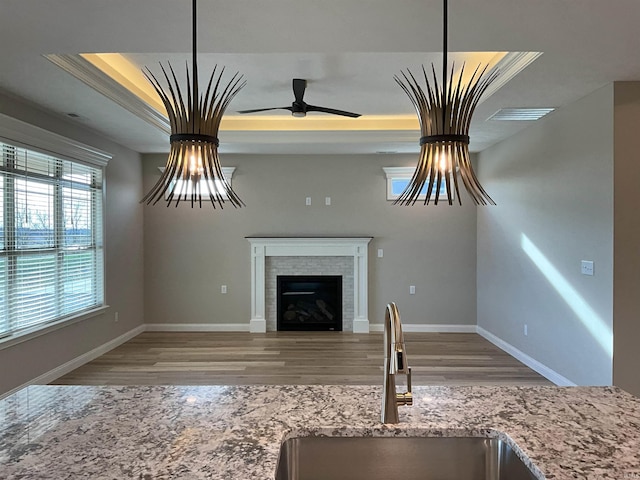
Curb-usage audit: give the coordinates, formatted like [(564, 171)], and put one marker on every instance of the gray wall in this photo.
[(626, 308), (553, 183), (124, 259), (190, 253)]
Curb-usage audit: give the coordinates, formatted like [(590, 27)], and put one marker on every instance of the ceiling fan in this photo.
[(299, 107)]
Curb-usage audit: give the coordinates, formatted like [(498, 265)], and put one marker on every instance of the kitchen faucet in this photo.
[(395, 361)]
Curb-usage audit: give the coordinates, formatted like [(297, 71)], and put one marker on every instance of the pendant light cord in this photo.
[(444, 65), (194, 80)]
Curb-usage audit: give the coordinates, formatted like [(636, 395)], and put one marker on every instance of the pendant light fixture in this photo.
[(444, 113), (193, 169)]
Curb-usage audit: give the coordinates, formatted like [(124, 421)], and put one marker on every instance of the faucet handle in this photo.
[(406, 398)]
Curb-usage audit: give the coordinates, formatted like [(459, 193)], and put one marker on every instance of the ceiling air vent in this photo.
[(520, 114)]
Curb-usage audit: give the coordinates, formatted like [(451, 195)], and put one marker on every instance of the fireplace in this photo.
[(273, 256), (309, 303)]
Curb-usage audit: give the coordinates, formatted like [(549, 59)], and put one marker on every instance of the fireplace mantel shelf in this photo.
[(288, 246), (304, 237)]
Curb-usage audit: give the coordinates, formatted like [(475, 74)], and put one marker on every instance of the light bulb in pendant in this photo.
[(442, 160)]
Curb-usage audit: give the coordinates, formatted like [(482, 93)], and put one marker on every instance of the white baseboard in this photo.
[(258, 325), (361, 325), (530, 362), (197, 327), (433, 328), (77, 362)]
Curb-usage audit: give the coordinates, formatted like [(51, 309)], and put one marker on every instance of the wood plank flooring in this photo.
[(220, 358)]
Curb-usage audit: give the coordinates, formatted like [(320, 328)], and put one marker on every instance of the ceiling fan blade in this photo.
[(313, 108), (299, 86), (256, 110)]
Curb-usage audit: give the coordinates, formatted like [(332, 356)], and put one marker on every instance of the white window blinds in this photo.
[(51, 238)]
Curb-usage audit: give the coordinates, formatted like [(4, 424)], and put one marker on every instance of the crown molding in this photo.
[(401, 129), (509, 66), (92, 76), (19, 133)]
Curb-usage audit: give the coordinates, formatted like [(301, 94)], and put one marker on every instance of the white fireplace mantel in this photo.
[(263, 247)]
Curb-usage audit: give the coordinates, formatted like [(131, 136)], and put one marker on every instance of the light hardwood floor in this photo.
[(169, 358)]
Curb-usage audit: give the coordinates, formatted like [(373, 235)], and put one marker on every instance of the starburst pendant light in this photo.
[(193, 169), (444, 113)]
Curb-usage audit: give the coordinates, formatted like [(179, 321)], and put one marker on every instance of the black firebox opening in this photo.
[(309, 303)]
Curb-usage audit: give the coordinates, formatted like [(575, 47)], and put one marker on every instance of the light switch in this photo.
[(223, 289), (307, 201), (412, 289), (327, 201), (380, 253)]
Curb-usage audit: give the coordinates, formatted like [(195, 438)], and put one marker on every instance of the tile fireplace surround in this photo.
[(309, 248)]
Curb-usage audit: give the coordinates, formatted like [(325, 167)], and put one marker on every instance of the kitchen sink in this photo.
[(408, 458)]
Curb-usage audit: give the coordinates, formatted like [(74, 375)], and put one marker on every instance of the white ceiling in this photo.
[(348, 50)]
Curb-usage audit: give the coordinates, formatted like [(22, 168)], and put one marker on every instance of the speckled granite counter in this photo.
[(58, 432)]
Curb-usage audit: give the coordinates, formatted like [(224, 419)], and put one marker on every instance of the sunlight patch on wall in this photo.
[(596, 326)]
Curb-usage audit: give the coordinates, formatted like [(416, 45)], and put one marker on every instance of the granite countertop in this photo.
[(224, 432)]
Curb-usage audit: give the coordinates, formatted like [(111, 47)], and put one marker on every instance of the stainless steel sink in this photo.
[(408, 458)]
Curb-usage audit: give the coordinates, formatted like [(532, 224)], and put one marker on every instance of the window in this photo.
[(398, 178), (51, 238), (205, 185)]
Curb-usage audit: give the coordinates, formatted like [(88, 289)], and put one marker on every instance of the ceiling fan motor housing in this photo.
[(299, 109)]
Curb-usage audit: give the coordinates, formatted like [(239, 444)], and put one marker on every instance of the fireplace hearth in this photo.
[(309, 303)]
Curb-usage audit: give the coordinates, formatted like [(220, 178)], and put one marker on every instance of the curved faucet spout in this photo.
[(395, 361)]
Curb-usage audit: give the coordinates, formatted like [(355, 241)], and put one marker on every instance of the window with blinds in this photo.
[(51, 239)]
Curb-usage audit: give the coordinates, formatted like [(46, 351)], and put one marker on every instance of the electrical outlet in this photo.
[(307, 201), (223, 289), (586, 267), (526, 330), (327, 201), (380, 253), (412, 289)]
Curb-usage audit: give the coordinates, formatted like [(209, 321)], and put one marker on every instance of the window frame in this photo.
[(22, 135), (406, 173)]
